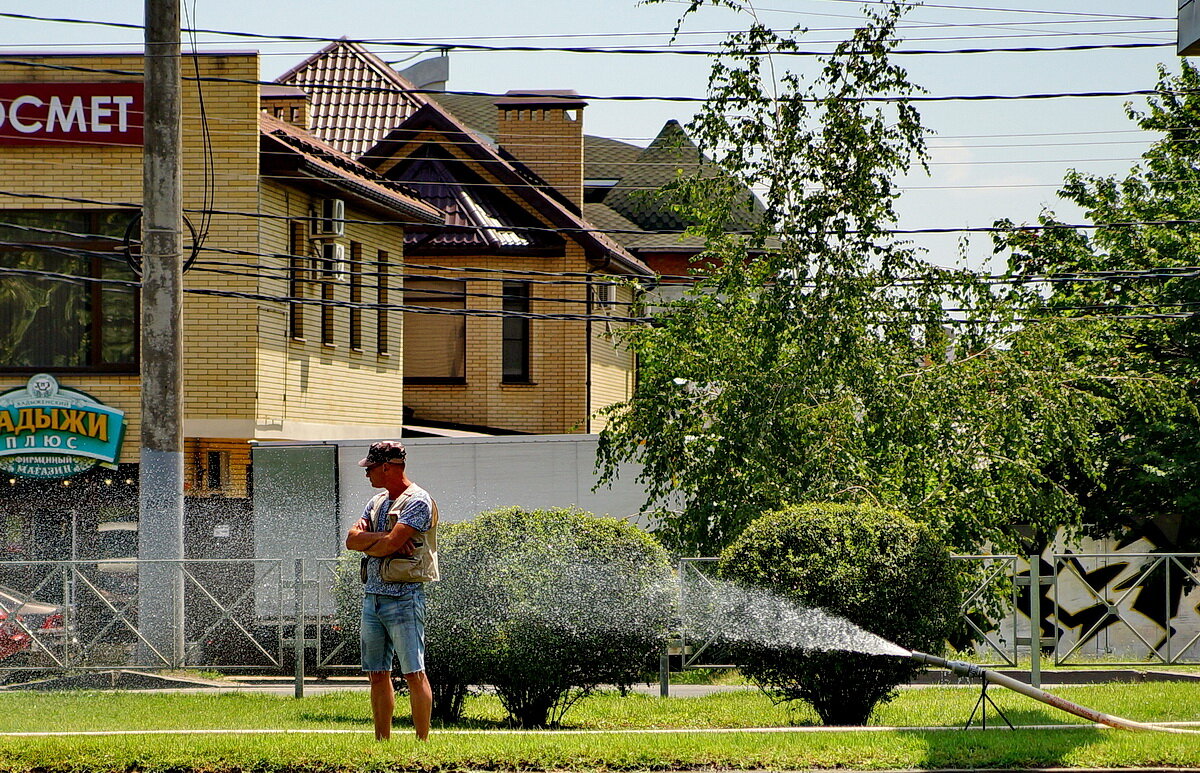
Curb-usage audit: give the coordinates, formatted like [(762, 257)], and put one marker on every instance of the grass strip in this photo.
[(1074, 746)]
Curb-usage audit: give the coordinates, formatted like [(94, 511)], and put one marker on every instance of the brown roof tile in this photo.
[(339, 170), (355, 98)]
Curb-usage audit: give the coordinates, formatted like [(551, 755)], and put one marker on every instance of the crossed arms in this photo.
[(380, 543)]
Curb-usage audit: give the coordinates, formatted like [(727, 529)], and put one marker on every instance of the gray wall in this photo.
[(306, 495)]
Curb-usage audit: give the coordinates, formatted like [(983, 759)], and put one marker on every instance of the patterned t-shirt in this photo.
[(417, 513)]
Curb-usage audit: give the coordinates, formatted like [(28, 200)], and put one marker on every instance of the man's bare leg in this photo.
[(383, 703), (420, 697)]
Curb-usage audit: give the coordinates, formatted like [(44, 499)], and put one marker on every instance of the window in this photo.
[(331, 264), (435, 344), (381, 298), (355, 296), (217, 469), (62, 322), (298, 263), (516, 334)]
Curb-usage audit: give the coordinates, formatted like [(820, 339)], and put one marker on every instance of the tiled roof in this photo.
[(321, 161), (433, 117), (633, 236), (355, 97), (670, 154), (477, 215)]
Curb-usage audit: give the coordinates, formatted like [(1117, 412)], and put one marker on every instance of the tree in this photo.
[(815, 359), (874, 567), (1140, 263)]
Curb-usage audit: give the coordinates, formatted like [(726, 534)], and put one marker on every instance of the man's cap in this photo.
[(384, 451)]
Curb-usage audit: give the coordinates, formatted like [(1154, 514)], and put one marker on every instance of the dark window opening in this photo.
[(515, 368), (356, 296), (67, 304), (381, 321), (215, 469)]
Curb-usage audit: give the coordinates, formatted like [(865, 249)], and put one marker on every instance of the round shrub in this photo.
[(876, 568), (545, 605)]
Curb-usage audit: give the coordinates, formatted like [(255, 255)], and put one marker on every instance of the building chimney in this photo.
[(287, 103), (544, 131)]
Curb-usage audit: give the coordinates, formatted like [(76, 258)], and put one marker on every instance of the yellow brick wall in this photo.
[(218, 347), (557, 400), (244, 377), (613, 364), (196, 478), (310, 382)]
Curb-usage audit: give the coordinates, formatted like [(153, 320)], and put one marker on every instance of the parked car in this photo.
[(22, 618)]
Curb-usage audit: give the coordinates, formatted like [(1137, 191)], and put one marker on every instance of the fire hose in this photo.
[(973, 671)]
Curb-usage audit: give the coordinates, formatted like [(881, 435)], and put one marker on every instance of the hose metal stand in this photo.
[(981, 706)]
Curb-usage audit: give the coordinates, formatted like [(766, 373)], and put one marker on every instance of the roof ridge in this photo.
[(433, 109), (308, 144)]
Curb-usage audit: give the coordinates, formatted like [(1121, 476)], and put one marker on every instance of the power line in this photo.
[(630, 97), (640, 232), (1089, 14), (488, 313), (450, 44), (589, 278)]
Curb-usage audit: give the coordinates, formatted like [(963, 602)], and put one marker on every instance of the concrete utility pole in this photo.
[(160, 527)]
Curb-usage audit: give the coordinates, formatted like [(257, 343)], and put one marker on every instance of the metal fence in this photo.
[(1129, 609), (281, 616)]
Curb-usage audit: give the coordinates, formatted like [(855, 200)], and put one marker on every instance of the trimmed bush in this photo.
[(545, 605), (542, 605), (876, 568)]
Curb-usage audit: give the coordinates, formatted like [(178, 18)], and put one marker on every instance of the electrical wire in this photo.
[(288, 270), (639, 232), (448, 44), (632, 97), (608, 318)]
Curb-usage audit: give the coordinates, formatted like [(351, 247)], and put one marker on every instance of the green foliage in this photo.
[(813, 360), (1147, 450), (545, 605), (874, 567)]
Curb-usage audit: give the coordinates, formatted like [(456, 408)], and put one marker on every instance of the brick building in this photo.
[(517, 239), (296, 231)]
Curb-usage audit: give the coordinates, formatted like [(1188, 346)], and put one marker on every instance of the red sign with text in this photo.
[(67, 113)]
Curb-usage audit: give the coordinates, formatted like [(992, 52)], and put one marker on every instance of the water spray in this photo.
[(972, 671)]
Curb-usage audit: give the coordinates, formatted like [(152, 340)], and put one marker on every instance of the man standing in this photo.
[(398, 535)]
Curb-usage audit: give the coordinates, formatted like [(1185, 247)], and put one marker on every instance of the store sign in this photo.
[(47, 431), (49, 114)]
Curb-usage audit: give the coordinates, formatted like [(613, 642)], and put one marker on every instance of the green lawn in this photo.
[(451, 749)]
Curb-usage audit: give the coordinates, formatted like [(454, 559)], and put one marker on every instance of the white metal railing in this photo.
[(280, 616), (83, 615)]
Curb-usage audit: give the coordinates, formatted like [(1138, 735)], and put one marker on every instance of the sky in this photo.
[(990, 159)]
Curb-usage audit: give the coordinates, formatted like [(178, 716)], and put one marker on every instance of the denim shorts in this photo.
[(394, 626)]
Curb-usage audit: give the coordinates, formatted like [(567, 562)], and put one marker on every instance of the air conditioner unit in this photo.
[(329, 219), (333, 261), (605, 295)]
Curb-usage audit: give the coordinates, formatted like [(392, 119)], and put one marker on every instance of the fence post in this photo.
[(70, 620), (664, 675), (298, 634), (1035, 620)]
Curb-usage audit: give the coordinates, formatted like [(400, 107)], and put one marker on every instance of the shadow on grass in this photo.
[(1004, 748), (400, 720)]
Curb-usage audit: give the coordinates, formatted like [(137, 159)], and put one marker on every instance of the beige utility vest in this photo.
[(422, 564)]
